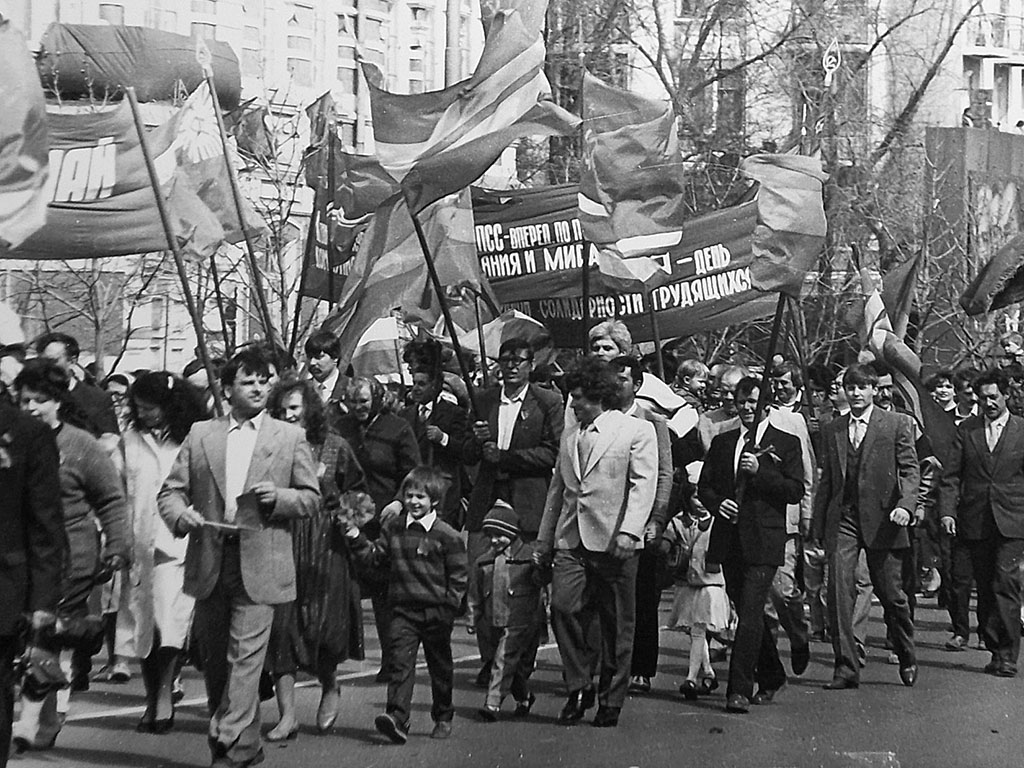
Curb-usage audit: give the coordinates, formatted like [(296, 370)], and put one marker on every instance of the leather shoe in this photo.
[(799, 659), (606, 717), (1005, 670), (226, 762), (908, 675), (766, 695), (738, 704), (523, 707), (573, 710), (488, 714), (992, 667), (387, 724), (689, 690), (589, 697), (841, 684)]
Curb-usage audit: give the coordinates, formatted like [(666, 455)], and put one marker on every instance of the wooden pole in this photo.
[(307, 259), (480, 339), (229, 339), (172, 243), (656, 332), (236, 197), (449, 324), (331, 138)]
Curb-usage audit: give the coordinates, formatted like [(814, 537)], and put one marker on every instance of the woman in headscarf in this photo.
[(387, 450)]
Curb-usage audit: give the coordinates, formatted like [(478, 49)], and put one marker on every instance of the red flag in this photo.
[(631, 185), (791, 222), (24, 144)]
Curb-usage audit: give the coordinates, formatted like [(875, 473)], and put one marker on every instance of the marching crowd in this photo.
[(244, 544)]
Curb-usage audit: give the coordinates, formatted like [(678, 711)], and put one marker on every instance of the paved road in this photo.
[(955, 716)]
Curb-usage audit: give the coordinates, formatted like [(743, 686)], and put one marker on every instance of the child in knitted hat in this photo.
[(507, 606)]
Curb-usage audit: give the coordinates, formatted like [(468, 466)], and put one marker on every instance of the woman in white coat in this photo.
[(159, 614)]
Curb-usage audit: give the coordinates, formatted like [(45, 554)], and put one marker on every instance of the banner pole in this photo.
[(585, 279), (307, 259), (656, 332), (172, 243), (236, 197), (330, 230), (480, 339), (460, 354), (229, 341)]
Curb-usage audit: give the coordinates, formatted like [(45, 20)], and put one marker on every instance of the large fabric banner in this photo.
[(100, 199), (531, 249)]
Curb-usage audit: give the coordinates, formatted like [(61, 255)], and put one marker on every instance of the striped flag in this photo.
[(631, 199), (389, 272), (905, 364), (24, 144), (439, 142), (791, 226)]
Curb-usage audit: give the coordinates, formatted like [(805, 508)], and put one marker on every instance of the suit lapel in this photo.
[(877, 415), (977, 436), (842, 437), (1003, 439), (215, 445), (733, 437), (605, 438), (573, 446), (524, 411)]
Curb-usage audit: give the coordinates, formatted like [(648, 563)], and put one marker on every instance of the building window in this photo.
[(348, 78), (252, 62), (372, 54), (301, 71), (416, 65), (300, 16), (415, 86), (251, 36), (347, 53), (373, 29), (301, 44), (348, 25), (204, 31), (112, 13), (347, 134), (204, 6), (420, 16)]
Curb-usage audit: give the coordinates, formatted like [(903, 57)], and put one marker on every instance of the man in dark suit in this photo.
[(323, 357), (440, 429), (516, 442), (235, 486), (865, 501), (33, 545), (750, 475), (981, 504)]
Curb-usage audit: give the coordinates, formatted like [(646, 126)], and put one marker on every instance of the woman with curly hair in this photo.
[(324, 625), (162, 408)]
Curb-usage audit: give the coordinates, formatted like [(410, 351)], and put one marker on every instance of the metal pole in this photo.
[(460, 354), (236, 197), (172, 243)]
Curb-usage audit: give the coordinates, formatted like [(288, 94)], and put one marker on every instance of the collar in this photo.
[(632, 410), (1000, 422), (760, 430), (517, 397), (427, 521), (599, 422), (864, 417), (256, 421), (330, 382)]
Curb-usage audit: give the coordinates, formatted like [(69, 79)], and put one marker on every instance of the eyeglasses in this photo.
[(513, 361)]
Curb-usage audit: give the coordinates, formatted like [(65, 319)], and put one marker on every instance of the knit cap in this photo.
[(502, 520)]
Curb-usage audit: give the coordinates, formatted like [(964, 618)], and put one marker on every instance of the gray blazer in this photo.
[(197, 479)]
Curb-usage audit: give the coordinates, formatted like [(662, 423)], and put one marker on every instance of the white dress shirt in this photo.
[(508, 412), (326, 387), (994, 430), (427, 521), (859, 423), (741, 443), (240, 446)]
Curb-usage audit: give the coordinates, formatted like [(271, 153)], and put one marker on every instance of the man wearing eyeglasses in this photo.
[(515, 440)]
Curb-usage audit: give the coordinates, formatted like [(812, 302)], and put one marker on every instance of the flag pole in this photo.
[(172, 243), (449, 324), (480, 339), (307, 259), (332, 128), (656, 332), (229, 341), (205, 61)]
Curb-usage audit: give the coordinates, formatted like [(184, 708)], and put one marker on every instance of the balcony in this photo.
[(994, 35)]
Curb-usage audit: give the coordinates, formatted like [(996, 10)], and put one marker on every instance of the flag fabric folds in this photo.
[(631, 203), (389, 271), (905, 364), (439, 142), (899, 287), (24, 144), (191, 148), (791, 226), (1000, 282)]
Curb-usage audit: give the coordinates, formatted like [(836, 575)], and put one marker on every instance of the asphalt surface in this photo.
[(954, 716)]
